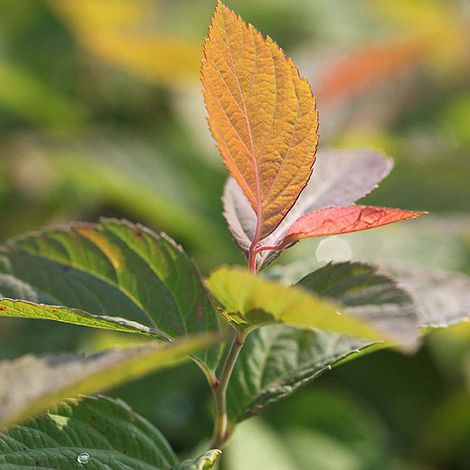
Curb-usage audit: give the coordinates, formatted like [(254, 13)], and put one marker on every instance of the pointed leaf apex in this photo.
[(340, 220), (262, 115)]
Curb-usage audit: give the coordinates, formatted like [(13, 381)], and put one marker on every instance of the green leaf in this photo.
[(30, 385), (370, 295), (256, 446), (204, 462), (123, 168), (113, 268), (25, 309), (36, 101), (95, 433), (248, 302), (323, 410), (329, 454), (277, 360)]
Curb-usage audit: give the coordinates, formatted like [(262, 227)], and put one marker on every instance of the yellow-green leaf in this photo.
[(122, 33), (203, 462), (30, 385), (248, 301), (25, 309)]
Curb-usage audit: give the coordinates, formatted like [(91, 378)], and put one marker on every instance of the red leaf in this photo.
[(337, 220)]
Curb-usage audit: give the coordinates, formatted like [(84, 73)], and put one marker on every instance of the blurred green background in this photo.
[(101, 113)]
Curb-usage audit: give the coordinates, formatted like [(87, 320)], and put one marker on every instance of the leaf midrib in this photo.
[(250, 134), (293, 380), (158, 276), (94, 274)]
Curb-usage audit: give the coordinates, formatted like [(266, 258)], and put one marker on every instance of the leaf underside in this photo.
[(277, 359), (340, 178), (370, 294), (442, 298), (262, 116)]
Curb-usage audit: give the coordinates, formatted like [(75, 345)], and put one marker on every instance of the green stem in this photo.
[(221, 425), (219, 387)]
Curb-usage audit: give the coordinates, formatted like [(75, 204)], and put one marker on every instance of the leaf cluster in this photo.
[(256, 340)]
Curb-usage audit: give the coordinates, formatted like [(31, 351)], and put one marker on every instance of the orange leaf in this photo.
[(262, 116), (338, 220), (371, 66)]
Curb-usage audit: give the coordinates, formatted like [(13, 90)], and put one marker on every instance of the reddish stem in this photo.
[(252, 259), (269, 248)]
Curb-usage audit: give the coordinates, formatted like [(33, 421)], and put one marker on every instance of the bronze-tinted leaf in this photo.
[(338, 220), (341, 177), (262, 115)]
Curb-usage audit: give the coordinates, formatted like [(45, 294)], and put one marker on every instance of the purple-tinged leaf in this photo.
[(371, 295), (240, 216), (340, 178), (442, 298)]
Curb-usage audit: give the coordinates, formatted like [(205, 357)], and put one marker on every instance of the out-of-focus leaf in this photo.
[(448, 428), (24, 309), (262, 116), (442, 298), (340, 178), (437, 22), (322, 410), (248, 302), (132, 175), (119, 32), (94, 432), (370, 66), (36, 101), (30, 385), (255, 446), (339, 220), (329, 453), (277, 360), (431, 33), (204, 462), (114, 268), (455, 120)]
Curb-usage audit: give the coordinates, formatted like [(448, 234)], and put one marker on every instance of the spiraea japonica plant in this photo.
[(255, 339)]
